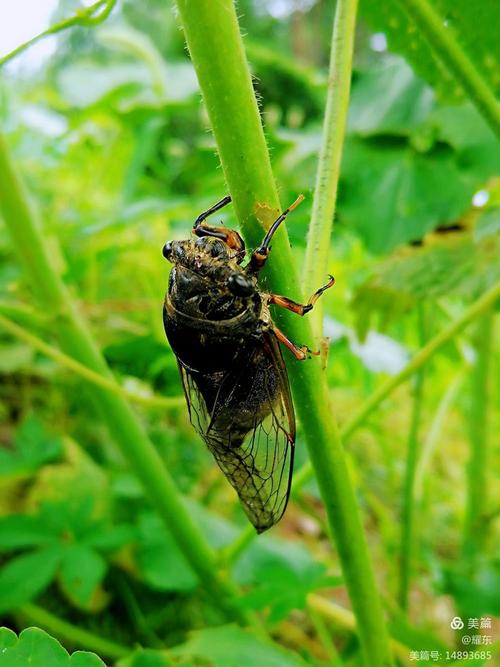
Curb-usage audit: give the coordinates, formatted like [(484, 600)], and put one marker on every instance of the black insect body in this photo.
[(219, 326)]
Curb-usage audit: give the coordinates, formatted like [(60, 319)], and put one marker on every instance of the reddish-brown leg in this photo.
[(299, 308), (299, 353)]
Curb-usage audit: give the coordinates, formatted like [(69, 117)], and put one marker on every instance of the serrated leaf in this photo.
[(24, 577), (35, 648), (81, 573), (228, 646)]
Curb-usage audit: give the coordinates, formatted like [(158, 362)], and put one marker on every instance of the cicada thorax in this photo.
[(218, 340)]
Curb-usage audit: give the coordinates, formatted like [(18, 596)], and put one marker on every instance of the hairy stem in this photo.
[(327, 176), (218, 56), (447, 48)]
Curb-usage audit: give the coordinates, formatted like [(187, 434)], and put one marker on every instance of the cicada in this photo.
[(218, 323)]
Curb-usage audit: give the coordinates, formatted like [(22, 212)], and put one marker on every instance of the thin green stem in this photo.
[(334, 659), (345, 620), (477, 468), (306, 473), (82, 639), (84, 17), (406, 547), (432, 439), (327, 176), (87, 373), (446, 47), (218, 56), (125, 429)]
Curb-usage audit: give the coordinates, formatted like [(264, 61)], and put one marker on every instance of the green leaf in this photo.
[(24, 577), (33, 447), (393, 194), (85, 659), (389, 99), (159, 559), (35, 648), (473, 24), (282, 574), (455, 263), (81, 574), (107, 537), (7, 638), (229, 646), (18, 531), (146, 658), (476, 595), (15, 357)]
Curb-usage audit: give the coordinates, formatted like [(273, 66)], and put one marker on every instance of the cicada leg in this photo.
[(299, 308), (229, 236), (260, 255), (300, 353)]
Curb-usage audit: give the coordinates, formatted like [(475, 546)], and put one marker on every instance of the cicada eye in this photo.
[(239, 285), (167, 250)]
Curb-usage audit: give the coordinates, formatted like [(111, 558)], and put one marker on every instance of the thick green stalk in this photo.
[(218, 56), (447, 48), (75, 338), (81, 639), (166, 402), (327, 176), (406, 550), (477, 467)]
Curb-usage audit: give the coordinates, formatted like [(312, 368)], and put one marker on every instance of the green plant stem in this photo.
[(432, 438), (87, 373), (305, 474), (125, 429), (82, 639), (327, 176), (218, 56), (406, 547), (84, 17), (345, 620), (334, 659), (447, 48), (477, 502)]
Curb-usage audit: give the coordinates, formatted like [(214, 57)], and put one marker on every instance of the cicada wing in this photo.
[(245, 416)]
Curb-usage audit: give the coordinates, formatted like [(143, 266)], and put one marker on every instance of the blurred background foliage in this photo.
[(111, 136)]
